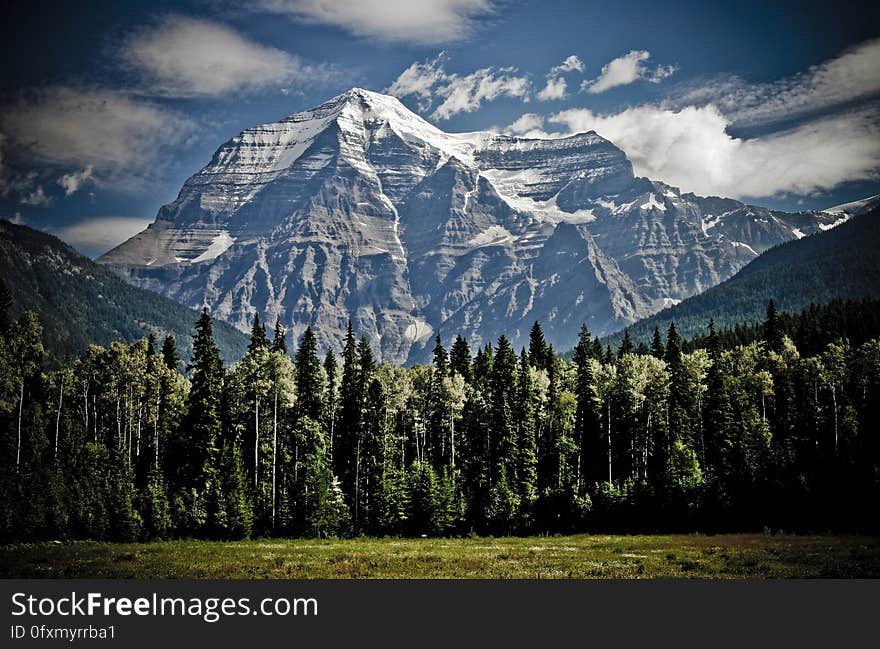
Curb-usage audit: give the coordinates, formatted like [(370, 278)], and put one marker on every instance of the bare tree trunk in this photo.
[(609, 441), (58, 416), (256, 443), (357, 471), (452, 436), (18, 443), (274, 451), (156, 429), (834, 400)]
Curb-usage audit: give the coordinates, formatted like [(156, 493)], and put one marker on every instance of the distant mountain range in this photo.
[(359, 209), (81, 302), (841, 264)]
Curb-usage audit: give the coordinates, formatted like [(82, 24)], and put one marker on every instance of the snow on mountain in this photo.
[(359, 209)]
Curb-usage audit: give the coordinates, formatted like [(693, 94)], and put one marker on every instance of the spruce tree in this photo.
[(658, 349), (193, 454), (259, 340), (537, 347), (586, 423), (170, 355), (331, 374), (527, 460), (309, 379), (350, 409), (460, 359), (626, 346), (502, 385), (773, 334)]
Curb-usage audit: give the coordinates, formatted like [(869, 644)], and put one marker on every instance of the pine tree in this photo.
[(170, 355), (537, 347), (626, 346), (460, 359), (772, 330), (309, 379), (598, 352), (680, 406), (279, 340), (259, 340), (331, 374), (527, 460), (350, 409), (441, 358), (193, 452), (658, 349), (586, 423), (503, 441)]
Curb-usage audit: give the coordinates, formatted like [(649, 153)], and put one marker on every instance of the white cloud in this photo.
[(625, 70), (527, 123), (853, 75), (73, 181), (97, 235), (457, 94), (182, 56), (77, 128), (420, 79), (424, 21), (555, 89), (556, 86), (466, 94), (690, 148), (571, 64)]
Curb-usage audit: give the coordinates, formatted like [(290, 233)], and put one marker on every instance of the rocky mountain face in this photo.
[(360, 209)]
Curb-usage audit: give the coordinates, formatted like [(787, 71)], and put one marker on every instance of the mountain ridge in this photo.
[(80, 302), (842, 263), (359, 209)]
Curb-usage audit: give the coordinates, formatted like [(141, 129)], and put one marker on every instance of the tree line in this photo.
[(123, 445)]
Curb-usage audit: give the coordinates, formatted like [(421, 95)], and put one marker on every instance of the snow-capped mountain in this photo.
[(361, 209)]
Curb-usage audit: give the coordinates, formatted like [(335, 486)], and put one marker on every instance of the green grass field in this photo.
[(724, 556)]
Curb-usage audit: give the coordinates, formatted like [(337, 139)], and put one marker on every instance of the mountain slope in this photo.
[(359, 209), (81, 302), (843, 263)]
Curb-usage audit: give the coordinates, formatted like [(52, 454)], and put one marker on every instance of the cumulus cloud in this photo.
[(554, 89), (97, 235), (691, 148), (853, 75), (456, 93), (528, 124), (425, 21), (106, 131), (182, 56), (556, 86), (627, 69), (73, 181)]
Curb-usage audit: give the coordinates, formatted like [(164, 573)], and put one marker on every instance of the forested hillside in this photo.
[(119, 445), (81, 302), (842, 263)]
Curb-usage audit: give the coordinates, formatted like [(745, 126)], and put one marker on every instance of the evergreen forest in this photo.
[(774, 426)]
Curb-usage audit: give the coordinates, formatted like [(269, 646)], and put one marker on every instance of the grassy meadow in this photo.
[(750, 556)]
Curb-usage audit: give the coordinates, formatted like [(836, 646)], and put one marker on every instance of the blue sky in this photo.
[(107, 107)]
